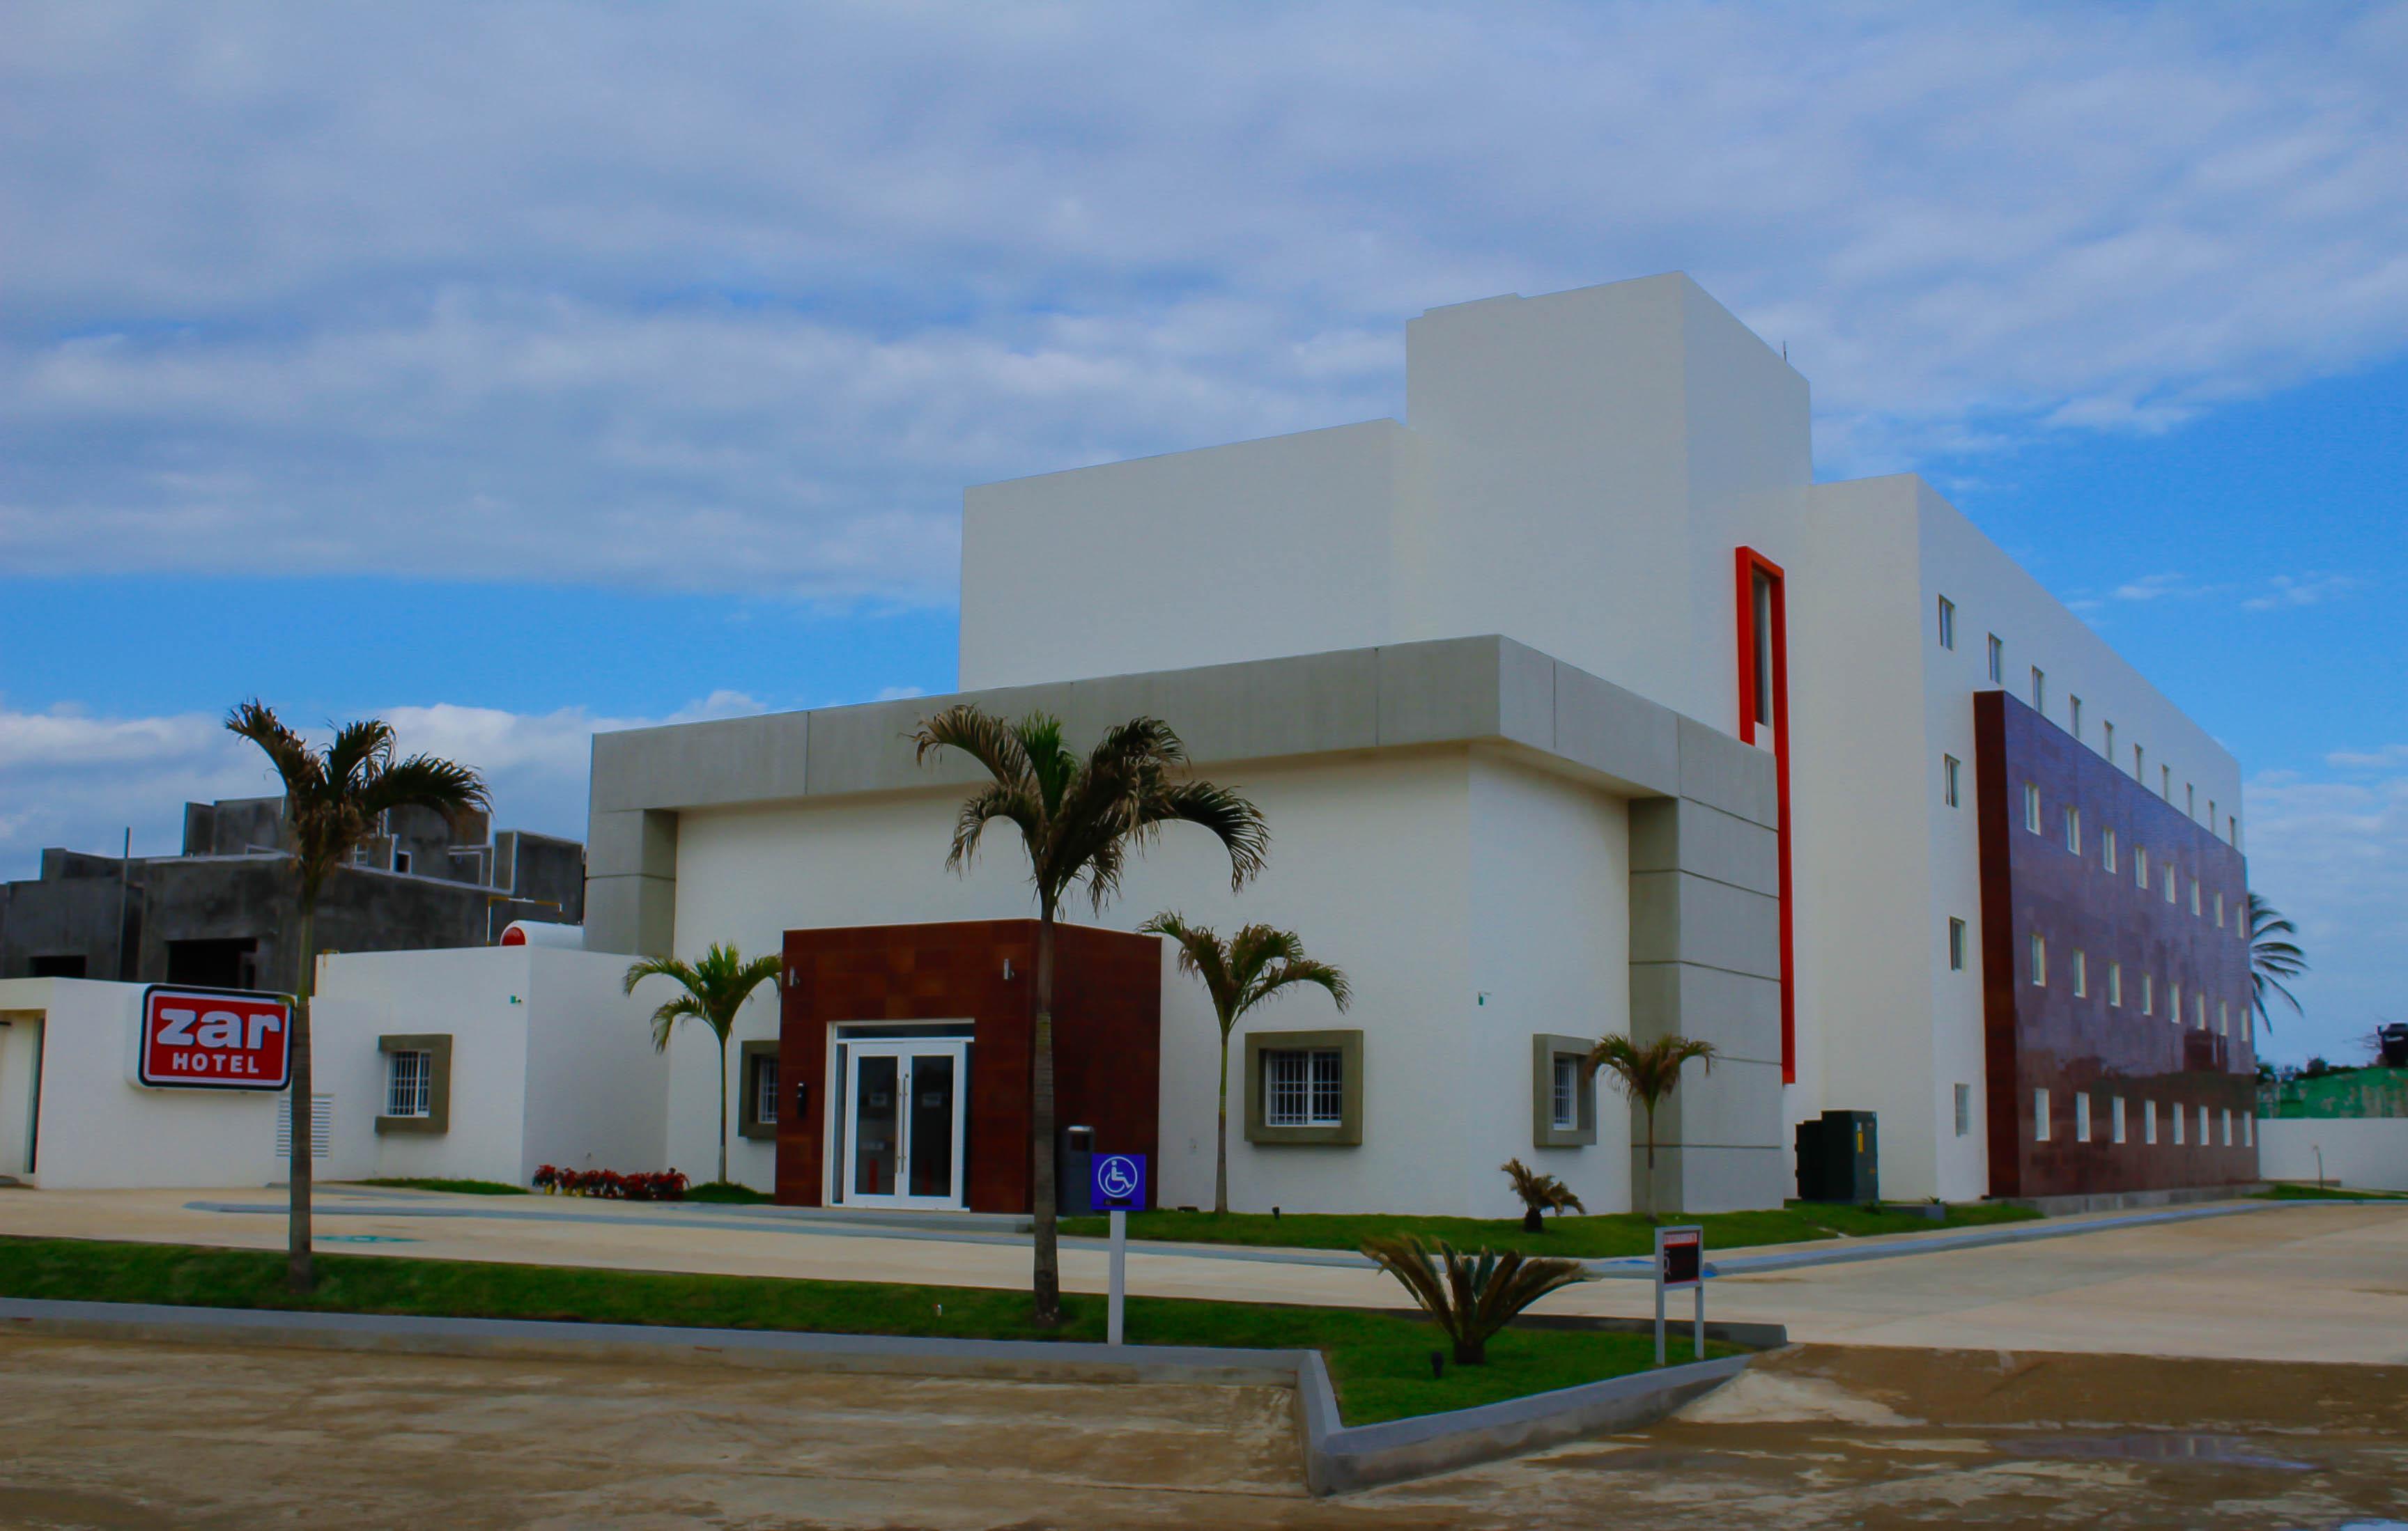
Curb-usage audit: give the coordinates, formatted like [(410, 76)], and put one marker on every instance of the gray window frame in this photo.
[(437, 1119), (1347, 1132), (748, 1119), (1545, 1048)]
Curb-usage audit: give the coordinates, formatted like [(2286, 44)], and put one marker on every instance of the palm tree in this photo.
[(334, 800), (1648, 1074), (1540, 1193), (1469, 1296), (715, 989), (1079, 819), (1239, 974), (2272, 958)]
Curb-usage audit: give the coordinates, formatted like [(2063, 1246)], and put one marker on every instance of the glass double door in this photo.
[(904, 1143)]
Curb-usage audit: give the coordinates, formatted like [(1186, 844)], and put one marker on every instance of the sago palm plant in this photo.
[(1648, 1074), (334, 800), (1470, 1297), (715, 988), (1253, 966), (1080, 820), (2274, 958), (1540, 1193)]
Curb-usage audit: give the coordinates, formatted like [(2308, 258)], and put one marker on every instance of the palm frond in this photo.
[(1237, 823), (978, 734), (425, 781), (715, 985), (296, 764), (1469, 1296), (1202, 953), (664, 1019), (1649, 1071), (1288, 974), (360, 751), (1539, 1193), (2272, 959)]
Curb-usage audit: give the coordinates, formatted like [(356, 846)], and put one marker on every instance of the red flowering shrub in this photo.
[(663, 1185)]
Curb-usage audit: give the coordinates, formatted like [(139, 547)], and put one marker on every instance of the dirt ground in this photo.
[(136, 1436)]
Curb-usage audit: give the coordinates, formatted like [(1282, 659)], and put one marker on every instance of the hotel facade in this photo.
[(1576, 705)]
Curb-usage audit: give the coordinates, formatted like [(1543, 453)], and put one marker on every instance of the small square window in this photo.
[(2040, 1115), (1303, 1087), (1563, 1092), (2115, 1111), (1998, 659), (2107, 849), (2039, 961), (1964, 1093), (2115, 983), (1947, 623), (409, 1083), (2031, 807), (1956, 945), (2081, 1117), (1950, 769)]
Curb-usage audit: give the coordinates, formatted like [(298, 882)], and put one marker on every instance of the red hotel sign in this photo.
[(215, 1039)]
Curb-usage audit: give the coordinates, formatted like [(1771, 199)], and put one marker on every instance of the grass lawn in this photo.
[(458, 1188), (2291, 1191), (1379, 1362), (733, 1191), (1587, 1238)]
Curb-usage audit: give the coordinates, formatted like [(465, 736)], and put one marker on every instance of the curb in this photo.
[(1337, 1458)]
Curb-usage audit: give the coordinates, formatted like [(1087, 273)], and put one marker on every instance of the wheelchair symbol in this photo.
[(1116, 1177)]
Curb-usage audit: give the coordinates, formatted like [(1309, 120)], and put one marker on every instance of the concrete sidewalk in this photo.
[(2303, 1282)]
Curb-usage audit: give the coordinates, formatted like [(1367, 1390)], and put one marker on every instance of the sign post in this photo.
[(1681, 1262), (1117, 1183)]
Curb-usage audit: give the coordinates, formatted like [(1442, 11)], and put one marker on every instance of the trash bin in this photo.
[(1839, 1158), (1073, 1172)]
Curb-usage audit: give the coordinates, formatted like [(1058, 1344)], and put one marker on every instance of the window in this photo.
[(1955, 946), (2139, 866), (2081, 974), (1950, 769), (401, 861), (1563, 1093), (2137, 772), (765, 1092), (2173, 1009), (2219, 912), (2166, 782), (2211, 815), (2190, 800), (2227, 1126), (2031, 807), (2116, 1118), (417, 1084), (1307, 1087), (1998, 659), (1947, 623), (2073, 714), (2148, 1122), (409, 1083), (2040, 1115), (2039, 691), (1762, 586), (2232, 829), (2107, 746), (2107, 849), (2194, 896), (1964, 1093), (2248, 1132), (2199, 1010), (2115, 983), (2169, 882), (2224, 1018), (756, 1092), (2073, 830), (2175, 1112), (2039, 960), (2202, 1126), (2148, 993), (1304, 1087), (2081, 1117)]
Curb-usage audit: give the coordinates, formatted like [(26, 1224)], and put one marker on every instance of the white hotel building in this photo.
[(1576, 705)]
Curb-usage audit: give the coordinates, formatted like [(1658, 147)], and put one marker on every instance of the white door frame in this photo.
[(905, 1052)]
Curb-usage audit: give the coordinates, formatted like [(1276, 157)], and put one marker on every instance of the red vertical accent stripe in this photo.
[(1747, 565)]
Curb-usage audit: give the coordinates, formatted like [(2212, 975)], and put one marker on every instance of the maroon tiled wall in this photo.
[(2048, 1037), (1106, 1035)]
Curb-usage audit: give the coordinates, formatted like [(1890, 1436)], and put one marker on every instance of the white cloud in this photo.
[(2284, 592), (739, 299), (2332, 854)]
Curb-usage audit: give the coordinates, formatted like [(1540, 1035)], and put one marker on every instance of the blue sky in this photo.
[(517, 372)]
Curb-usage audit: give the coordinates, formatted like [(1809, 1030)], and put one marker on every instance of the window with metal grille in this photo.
[(1964, 1111), (1564, 1098), (1304, 1087), (764, 1089), (409, 1083)]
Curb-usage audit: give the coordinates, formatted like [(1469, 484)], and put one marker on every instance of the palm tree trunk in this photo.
[(1048, 1276), (722, 1108), (298, 1274), (1650, 1161), (1221, 1138)]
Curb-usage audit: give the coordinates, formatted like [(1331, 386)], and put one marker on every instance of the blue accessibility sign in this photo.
[(1118, 1182)]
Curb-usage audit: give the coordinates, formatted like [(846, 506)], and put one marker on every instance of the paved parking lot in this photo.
[(134, 1437)]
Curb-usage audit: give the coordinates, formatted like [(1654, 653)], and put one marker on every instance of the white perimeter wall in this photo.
[(2368, 1152), (99, 1129), (1372, 862)]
